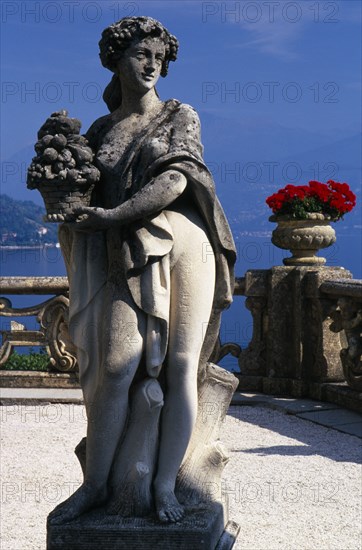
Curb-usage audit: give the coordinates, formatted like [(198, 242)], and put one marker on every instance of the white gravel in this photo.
[(292, 485)]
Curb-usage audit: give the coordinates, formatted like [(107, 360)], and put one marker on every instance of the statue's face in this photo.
[(140, 65)]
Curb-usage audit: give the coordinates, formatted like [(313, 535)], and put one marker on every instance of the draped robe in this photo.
[(139, 252)]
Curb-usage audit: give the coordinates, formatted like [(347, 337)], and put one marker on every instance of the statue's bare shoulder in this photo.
[(97, 129)]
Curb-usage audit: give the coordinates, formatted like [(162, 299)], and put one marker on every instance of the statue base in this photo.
[(204, 527)]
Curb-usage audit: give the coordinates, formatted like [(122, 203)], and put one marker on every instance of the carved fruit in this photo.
[(50, 155), (59, 142), (72, 175)]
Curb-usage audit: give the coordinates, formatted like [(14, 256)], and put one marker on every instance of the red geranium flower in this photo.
[(332, 198)]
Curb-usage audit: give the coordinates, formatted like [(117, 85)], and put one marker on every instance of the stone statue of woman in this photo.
[(150, 267)]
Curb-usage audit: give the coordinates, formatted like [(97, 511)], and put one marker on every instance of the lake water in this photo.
[(253, 253)]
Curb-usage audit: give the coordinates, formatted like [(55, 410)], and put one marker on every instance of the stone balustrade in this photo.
[(346, 296), (307, 324), (51, 315)]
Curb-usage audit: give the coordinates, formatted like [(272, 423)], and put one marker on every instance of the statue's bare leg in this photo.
[(123, 336), (192, 287)]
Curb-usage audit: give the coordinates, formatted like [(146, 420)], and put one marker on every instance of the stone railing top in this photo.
[(60, 285), (343, 287), (34, 285)]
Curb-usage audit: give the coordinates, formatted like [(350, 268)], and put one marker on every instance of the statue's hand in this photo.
[(89, 219)]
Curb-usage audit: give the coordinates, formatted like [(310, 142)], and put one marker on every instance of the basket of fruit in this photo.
[(62, 169)]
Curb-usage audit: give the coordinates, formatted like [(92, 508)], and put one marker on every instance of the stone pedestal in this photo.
[(129, 519), (203, 528), (292, 345)]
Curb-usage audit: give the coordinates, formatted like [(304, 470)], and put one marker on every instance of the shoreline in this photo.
[(29, 247)]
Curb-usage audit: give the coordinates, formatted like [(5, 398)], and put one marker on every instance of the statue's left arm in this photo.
[(152, 198), (165, 183)]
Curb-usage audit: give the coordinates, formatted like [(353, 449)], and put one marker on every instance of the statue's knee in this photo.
[(120, 364), (113, 368), (118, 368)]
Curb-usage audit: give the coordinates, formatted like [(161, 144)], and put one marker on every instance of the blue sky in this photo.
[(305, 53), (277, 85)]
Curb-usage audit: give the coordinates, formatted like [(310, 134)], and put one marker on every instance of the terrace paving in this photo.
[(325, 414), (294, 479)]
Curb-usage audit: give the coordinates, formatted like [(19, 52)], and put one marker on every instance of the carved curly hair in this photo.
[(118, 37)]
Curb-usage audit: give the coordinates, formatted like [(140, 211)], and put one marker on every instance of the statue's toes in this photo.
[(176, 514), (171, 514), (162, 516), (169, 509)]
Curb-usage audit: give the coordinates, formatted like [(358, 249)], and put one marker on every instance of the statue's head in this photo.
[(121, 35)]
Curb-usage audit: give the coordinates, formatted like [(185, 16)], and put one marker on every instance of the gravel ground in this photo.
[(292, 485)]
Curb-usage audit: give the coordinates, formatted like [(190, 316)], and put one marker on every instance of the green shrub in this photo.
[(33, 361)]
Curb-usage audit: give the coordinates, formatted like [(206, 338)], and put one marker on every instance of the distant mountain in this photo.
[(13, 176), (22, 224), (254, 139)]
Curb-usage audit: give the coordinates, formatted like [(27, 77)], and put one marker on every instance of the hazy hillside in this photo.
[(22, 224)]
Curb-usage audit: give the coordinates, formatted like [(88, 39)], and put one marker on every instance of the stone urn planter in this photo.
[(303, 237)]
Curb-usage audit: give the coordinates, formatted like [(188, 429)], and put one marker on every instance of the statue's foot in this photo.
[(85, 498), (168, 508)]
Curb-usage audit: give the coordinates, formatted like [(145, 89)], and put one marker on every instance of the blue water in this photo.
[(42, 262), (253, 253)]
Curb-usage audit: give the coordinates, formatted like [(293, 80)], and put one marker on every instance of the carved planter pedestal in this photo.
[(294, 348), (303, 238)]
